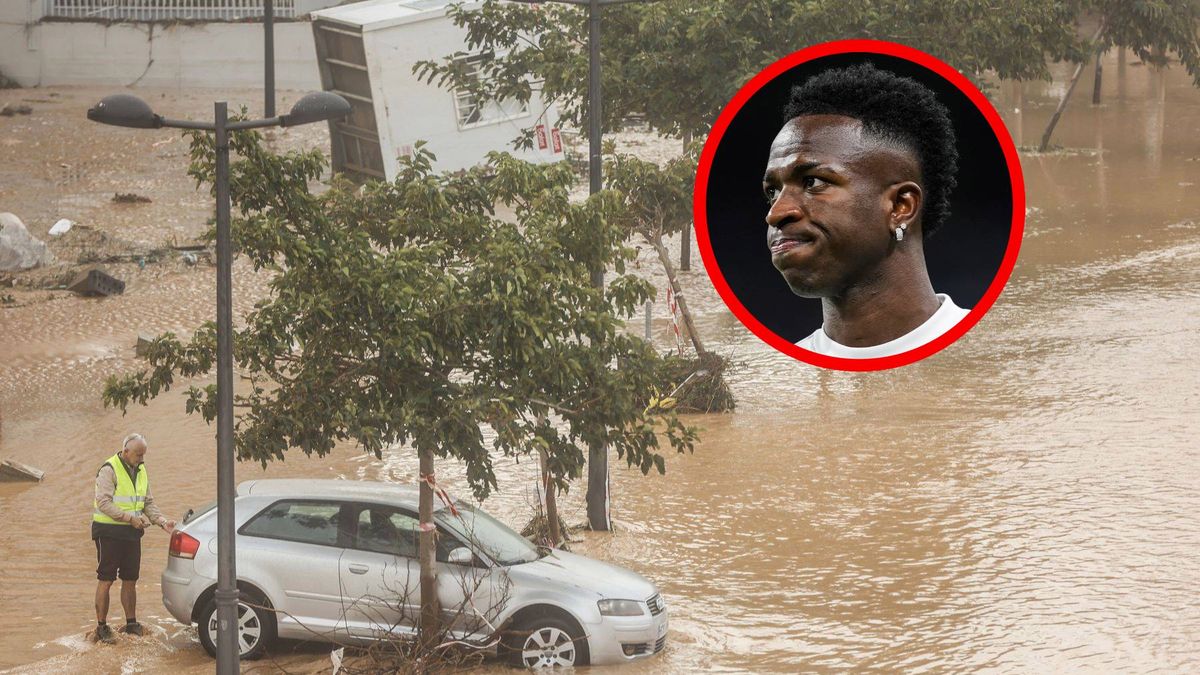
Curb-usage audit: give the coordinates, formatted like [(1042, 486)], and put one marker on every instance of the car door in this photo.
[(379, 572), (471, 595), (298, 543)]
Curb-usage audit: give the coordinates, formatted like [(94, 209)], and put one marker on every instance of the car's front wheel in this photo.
[(255, 627), (547, 642)]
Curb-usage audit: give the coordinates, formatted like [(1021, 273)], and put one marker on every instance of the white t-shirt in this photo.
[(946, 316)]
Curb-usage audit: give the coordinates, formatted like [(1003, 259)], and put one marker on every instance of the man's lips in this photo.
[(782, 245)]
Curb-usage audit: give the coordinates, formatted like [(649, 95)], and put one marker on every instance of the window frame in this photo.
[(457, 97), (355, 512), (340, 540)]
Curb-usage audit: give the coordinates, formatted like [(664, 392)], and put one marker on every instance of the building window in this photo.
[(473, 112)]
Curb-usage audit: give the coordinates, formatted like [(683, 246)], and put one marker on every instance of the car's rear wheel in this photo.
[(255, 628), (546, 642)]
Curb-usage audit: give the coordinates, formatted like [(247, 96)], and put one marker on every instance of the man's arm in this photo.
[(106, 485), (151, 511)]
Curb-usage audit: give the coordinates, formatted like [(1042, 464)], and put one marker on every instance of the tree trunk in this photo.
[(688, 324), (599, 517), (429, 626), (1062, 105), (551, 500), (685, 237), (1099, 78)]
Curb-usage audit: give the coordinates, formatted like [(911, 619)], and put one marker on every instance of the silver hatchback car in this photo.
[(337, 559)]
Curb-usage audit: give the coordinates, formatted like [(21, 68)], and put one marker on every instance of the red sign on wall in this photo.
[(541, 136), (557, 140)]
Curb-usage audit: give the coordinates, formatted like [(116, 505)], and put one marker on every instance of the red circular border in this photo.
[(700, 202)]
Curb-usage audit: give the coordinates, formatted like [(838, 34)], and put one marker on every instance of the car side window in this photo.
[(303, 521), (446, 542), (384, 529)]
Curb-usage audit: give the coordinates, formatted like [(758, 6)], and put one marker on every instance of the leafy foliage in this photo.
[(678, 62), (418, 311), (1151, 28), (658, 200)]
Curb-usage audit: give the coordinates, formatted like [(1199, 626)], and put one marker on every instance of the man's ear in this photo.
[(905, 199)]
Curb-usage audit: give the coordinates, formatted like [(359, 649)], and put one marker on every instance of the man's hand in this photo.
[(168, 526), (139, 522)]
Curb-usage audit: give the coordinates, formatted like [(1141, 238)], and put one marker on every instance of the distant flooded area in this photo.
[(1023, 501)]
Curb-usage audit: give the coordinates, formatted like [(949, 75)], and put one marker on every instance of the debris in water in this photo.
[(8, 109), (94, 282), (14, 471), (63, 226), (20, 250), (143, 345), (130, 198), (336, 658), (699, 383)]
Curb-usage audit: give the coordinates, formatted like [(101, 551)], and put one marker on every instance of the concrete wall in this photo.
[(37, 53)]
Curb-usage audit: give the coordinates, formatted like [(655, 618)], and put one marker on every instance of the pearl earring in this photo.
[(900, 231)]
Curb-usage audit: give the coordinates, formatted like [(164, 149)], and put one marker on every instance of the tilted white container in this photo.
[(366, 52)]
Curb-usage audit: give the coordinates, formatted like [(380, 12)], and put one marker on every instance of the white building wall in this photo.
[(177, 55)]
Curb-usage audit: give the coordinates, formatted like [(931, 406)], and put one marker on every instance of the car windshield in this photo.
[(489, 535)]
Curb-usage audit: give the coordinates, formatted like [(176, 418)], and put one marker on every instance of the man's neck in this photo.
[(887, 305)]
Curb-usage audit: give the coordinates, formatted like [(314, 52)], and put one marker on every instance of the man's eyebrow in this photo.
[(794, 168)]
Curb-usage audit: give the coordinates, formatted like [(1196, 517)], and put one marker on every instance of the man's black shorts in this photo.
[(118, 557)]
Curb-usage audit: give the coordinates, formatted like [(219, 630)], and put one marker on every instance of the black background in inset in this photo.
[(963, 256)]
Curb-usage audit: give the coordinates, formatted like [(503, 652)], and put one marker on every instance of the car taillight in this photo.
[(184, 546)]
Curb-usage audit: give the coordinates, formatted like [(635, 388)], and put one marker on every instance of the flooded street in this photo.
[(1024, 501)]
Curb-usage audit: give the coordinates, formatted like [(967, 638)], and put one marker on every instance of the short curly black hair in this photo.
[(896, 109)]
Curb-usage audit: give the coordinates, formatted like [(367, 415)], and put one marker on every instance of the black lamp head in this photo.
[(317, 106), (124, 110)]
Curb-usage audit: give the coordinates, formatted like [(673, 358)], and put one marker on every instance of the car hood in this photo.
[(601, 578)]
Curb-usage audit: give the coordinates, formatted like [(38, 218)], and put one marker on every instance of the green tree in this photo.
[(678, 62), (417, 312), (658, 203), (1149, 28), (1152, 29)]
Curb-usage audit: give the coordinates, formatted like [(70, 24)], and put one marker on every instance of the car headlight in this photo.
[(620, 608)]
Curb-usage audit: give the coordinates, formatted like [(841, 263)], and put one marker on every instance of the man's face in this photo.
[(135, 452), (826, 183)]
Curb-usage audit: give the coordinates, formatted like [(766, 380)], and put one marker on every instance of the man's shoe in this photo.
[(105, 634), (133, 629)]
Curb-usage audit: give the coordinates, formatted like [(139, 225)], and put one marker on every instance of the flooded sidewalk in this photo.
[(1023, 501)]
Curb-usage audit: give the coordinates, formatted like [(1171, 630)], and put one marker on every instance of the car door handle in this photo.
[(359, 569)]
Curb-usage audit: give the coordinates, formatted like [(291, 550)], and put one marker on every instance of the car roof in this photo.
[(392, 493)]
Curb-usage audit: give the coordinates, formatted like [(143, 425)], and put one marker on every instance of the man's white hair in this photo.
[(132, 437)]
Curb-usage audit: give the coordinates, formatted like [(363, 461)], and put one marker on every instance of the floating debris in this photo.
[(20, 250), (8, 109), (142, 347), (62, 227), (11, 471), (94, 282)]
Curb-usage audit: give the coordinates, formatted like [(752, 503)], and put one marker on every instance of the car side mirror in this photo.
[(461, 556)]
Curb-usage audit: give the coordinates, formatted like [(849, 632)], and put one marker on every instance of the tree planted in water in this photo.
[(409, 313)]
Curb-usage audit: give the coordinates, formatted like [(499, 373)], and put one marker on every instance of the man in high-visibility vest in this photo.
[(122, 510)]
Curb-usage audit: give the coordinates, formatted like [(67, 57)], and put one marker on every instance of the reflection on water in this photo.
[(1022, 501)]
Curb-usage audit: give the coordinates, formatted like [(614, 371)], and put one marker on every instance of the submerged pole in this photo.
[(597, 489)]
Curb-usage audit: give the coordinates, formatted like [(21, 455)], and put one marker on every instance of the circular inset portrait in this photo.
[(859, 205)]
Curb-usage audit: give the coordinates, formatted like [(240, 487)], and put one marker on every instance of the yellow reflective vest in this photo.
[(128, 495)]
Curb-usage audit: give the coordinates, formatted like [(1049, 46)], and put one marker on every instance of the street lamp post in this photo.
[(269, 58), (125, 110)]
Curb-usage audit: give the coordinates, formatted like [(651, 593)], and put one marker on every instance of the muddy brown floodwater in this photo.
[(1023, 501)]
